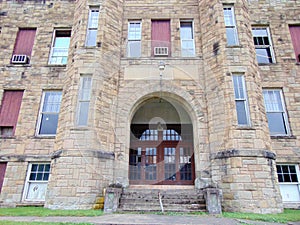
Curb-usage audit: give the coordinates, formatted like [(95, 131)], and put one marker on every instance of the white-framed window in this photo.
[(230, 25), (289, 182), (241, 100), (263, 45), (187, 39), (134, 38), (276, 112), (84, 97), (92, 28), (49, 110), (36, 181), (60, 47)]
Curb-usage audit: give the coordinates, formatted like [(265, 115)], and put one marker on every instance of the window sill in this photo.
[(19, 65), (8, 137), (245, 128), (44, 137), (266, 64), (57, 65), (283, 137), (83, 128), (234, 46)]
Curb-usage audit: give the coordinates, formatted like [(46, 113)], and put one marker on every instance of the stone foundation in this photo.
[(78, 178), (248, 180)]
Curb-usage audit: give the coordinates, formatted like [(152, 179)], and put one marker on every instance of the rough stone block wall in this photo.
[(13, 186), (249, 183), (77, 179)]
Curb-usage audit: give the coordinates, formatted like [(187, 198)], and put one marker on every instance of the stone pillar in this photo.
[(248, 180), (77, 178)]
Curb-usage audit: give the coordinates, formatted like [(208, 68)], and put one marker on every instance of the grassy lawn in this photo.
[(40, 211), (288, 215), (39, 223)]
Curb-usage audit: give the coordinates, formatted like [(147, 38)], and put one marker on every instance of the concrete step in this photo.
[(173, 200)]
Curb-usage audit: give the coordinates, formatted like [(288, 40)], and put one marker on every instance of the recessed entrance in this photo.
[(161, 145)]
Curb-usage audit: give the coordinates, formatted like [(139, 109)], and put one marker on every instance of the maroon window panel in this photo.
[(160, 35), (9, 111), (24, 42), (295, 34), (2, 174)]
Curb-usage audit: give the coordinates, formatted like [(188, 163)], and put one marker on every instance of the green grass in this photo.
[(288, 215), (42, 212), (39, 223)]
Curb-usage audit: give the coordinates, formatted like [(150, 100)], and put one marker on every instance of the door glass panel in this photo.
[(185, 163), (135, 160), (150, 164), (170, 163)]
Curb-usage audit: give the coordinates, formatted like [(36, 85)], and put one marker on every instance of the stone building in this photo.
[(155, 94)]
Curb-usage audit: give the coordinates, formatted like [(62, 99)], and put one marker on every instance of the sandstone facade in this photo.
[(243, 161)]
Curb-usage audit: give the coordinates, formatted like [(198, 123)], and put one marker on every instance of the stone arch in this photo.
[(128, 105)]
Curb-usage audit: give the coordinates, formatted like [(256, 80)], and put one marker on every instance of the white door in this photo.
[(290, 192), (36, 191)]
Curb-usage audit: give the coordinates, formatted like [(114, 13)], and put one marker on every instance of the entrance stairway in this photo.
[(173, 200)]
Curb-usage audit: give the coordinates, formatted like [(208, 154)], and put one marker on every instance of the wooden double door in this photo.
[(161, 157)]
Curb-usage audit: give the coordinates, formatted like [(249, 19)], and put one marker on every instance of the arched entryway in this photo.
[(161, 144)]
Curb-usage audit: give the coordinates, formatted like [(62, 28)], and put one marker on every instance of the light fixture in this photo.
[(161, 66)]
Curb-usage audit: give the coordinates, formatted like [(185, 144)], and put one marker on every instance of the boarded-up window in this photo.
[(161, 35), (9, 112), (24, 42), (295, 34), (2, 174)]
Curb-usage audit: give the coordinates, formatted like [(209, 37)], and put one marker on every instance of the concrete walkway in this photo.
[(148, 219)]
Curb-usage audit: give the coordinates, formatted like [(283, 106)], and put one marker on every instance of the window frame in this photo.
[(80, 100), (28, 181), (40, 116), (282, 173), (232, 26), (192, 40), (92, 28), (138, 40), (245, 100), (270, 46), (53, 47), (283, 111)]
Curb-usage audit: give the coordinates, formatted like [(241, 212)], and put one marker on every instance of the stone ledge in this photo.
[(243, 153), (24, 158), (83, 153)]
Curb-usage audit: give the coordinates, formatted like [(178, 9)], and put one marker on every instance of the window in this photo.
[(23, 46), (92, 29), (84, 100), (60, 47), (263, 45), (241, 102), (295, 34), (48, 117), (276, 113), (134, 39), (288, 178), (231, 30), (36, 181), (2, 173), (9, 112), (161, 37), (187, 39)]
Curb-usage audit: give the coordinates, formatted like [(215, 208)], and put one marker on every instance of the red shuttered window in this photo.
[(2, 174), (161, 38), (23, 45), (295, 34), (9, 112)]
